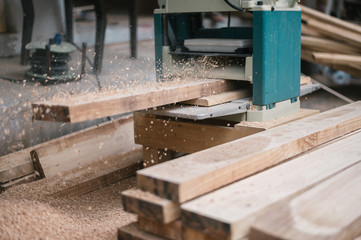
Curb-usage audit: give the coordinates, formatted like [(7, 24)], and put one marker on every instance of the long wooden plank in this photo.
[(150, 206), (17, 171), (310, 32), (93, 106), (331, 210), (71, 152), (354, 70), (220, 98), (335, 32), (229, 212), (327, 45), (129, 164), (25, 179), (182, 136), (188, 177), (311, 13), (340, 59)]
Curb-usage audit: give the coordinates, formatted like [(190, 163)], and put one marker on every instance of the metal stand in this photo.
[(28, 23), (133, 28)]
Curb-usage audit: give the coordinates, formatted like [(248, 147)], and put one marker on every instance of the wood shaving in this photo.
[(29, 212)]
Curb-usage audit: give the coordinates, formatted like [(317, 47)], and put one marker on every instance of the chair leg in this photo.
[(28, 24), (69, 20), (101, 23), (133, 28)]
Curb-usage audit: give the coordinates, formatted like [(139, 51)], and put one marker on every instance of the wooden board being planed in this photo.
[(93, 106), (229, 212), (196, 174), (331, 210)]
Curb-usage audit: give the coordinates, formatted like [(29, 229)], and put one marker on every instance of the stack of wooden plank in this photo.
[(299, 180), (330, 41)]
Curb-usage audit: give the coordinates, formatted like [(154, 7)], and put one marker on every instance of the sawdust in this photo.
[(28, 212)]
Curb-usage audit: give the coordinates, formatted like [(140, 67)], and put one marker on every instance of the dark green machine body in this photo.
[(276, 56), (276, 48)]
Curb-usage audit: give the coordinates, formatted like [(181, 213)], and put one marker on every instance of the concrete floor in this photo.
[(18, 130)]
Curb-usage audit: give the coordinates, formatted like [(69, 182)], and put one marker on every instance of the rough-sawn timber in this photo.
[(196, 174), (92, 106)]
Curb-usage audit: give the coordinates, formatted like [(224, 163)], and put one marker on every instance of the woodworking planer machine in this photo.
[(266, 55)]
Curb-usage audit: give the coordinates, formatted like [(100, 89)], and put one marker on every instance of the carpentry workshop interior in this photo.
[(181, 120)]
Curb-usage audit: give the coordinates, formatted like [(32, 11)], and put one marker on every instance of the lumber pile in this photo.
[(252, 186), (330, 41)]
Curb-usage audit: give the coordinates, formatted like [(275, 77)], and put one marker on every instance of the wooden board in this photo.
[(331, 210), (353, 69), (220, 98), (131, 232), (171, 230), (130, 163), (314, 14), (229, 212), (190, 176), (150, 206), (25, 179), (305, 80), (73, 151), (93, 106), (327, 45), (182, 136), (18, 171), (335, 32), (261, 126), (339, 59), (310, 32)]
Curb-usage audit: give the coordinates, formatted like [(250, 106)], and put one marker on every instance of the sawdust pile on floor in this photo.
[(28, 212)]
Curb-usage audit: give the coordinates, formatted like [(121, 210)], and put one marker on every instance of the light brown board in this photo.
[(131, 232), (9, 174), (331, 210), (181, 136), (334, 32), (21, 180), (353, 69), (188, 177), (229, 212), (340, 59), (220, 98), (150, 206), (73, 151), (327, 45), (278, 122), (171, 230), (130, 163), (314, 14), (93, 106)]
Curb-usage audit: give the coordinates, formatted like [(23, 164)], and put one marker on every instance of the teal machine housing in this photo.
[(276, 56), (276, 50)]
